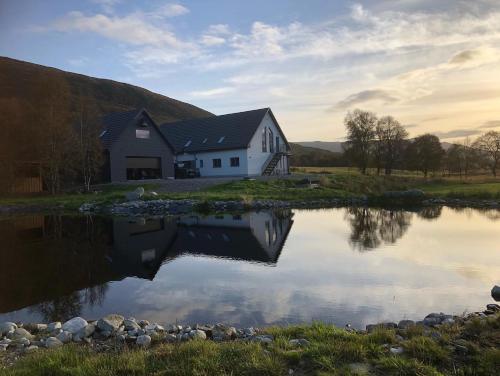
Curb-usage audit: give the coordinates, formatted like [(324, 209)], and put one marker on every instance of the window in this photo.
[(277, 144), (205, 141), (141, 133), (264, 140), (201, 163), (216, 163), (102, 134), (271, 145), (187, 143), (235, 162), (221, 139)]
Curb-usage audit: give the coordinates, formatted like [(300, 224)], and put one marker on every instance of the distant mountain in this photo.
[(336, 147), (17, 79), (333, 146), (310, 156)]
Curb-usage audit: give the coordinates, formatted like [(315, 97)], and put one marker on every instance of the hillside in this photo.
[(333, 146), (310, 156), (17, 79)]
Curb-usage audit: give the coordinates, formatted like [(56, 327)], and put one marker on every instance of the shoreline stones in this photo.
[(113, 331)]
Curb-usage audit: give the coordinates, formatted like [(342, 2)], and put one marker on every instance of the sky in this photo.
[(434, 65)]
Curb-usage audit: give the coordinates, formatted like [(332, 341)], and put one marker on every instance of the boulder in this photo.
[(197, 334), (143, 341), (110, 323), (264, 339), (54, 326), (170, 338), (52, 342), (135, 195), (30, 349), (396, 350), (85, 332), (21, 333), (64, 336), (301, 342), (493, 307), (495, 293), (22, 342), (404, 324), (7, 327), (74, 325), (131, 324)]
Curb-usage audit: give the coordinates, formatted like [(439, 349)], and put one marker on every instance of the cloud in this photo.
[(491, 124), (464, 56), (133, 28), (170, 10), (217, 92), (212, 40), (107, 5), (366, 96), (456, 133)]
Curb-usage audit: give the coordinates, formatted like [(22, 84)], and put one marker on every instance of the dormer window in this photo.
[(187, 144), (221, 139), (142, 133)]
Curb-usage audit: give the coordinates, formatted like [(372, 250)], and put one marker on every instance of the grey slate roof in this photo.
[(204, 133), (115, 123)]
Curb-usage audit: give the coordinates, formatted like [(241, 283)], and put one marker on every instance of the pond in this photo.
[(345, 265)]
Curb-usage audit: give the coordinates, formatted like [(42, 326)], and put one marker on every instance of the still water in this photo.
[(347, 265)]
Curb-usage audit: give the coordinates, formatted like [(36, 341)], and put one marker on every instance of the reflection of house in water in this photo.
[(44, 258), (140, 245), (257, 237)]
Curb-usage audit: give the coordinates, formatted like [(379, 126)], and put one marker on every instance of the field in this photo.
[(326, 183)]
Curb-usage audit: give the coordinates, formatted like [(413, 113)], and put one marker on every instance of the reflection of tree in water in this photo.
[(430, 212), (372, 227), (68, 306)]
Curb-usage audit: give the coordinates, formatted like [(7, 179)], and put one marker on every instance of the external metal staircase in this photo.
[(271, 164)]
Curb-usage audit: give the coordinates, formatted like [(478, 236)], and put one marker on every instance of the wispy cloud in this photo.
[(491, 124), (457, 133), (366, 96), (169, 10), (217, 92)]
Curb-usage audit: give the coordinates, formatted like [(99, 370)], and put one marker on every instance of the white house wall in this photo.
[(225, 156), (256, 157)]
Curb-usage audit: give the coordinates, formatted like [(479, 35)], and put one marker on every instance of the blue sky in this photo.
[(435, 65)]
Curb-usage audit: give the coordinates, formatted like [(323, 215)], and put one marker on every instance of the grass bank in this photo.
[(328, 184), (470, 348)]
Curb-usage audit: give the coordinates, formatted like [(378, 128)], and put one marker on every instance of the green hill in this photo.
[(17, 79)]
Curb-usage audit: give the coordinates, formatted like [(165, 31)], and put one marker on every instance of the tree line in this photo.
[(46, 129), (384, 144)]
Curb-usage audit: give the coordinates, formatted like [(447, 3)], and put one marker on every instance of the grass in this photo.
[(331, 351), (329, 183)]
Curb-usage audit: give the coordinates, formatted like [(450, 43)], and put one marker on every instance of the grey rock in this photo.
[(185, 337), (187, 329), (54, 326), (404, 324), (74, 325), (170, 338), (23, 342), (86, 331), (110, 322), (65, 336), (20, 333), (197, 334), (52, 342), (495, 293), (7, 327), (131, 324), (135, 195), (143, 323), (300, 342), (143, 341), (397, 350), (35, 328), (493, 307), (172, 328), (249, 331), (31, 349), (264, 339)]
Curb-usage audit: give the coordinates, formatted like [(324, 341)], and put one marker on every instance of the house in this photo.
[(134, 148), (249, 143)]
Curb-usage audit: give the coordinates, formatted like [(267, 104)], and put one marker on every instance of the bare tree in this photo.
[(360, 135), (391, 137), (55, 135), (90, 157), (488, 145)]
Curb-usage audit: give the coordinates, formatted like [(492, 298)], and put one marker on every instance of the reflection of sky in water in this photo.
[(445, 264)]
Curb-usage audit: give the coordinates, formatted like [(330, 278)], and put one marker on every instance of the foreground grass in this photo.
[(331, 351), (329, 183)]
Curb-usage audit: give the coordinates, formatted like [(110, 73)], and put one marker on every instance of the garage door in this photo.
[(140, 168)]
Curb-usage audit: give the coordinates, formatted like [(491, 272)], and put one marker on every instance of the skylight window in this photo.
[(187, 144), (204, 141), (102, 134), (221, 139)]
